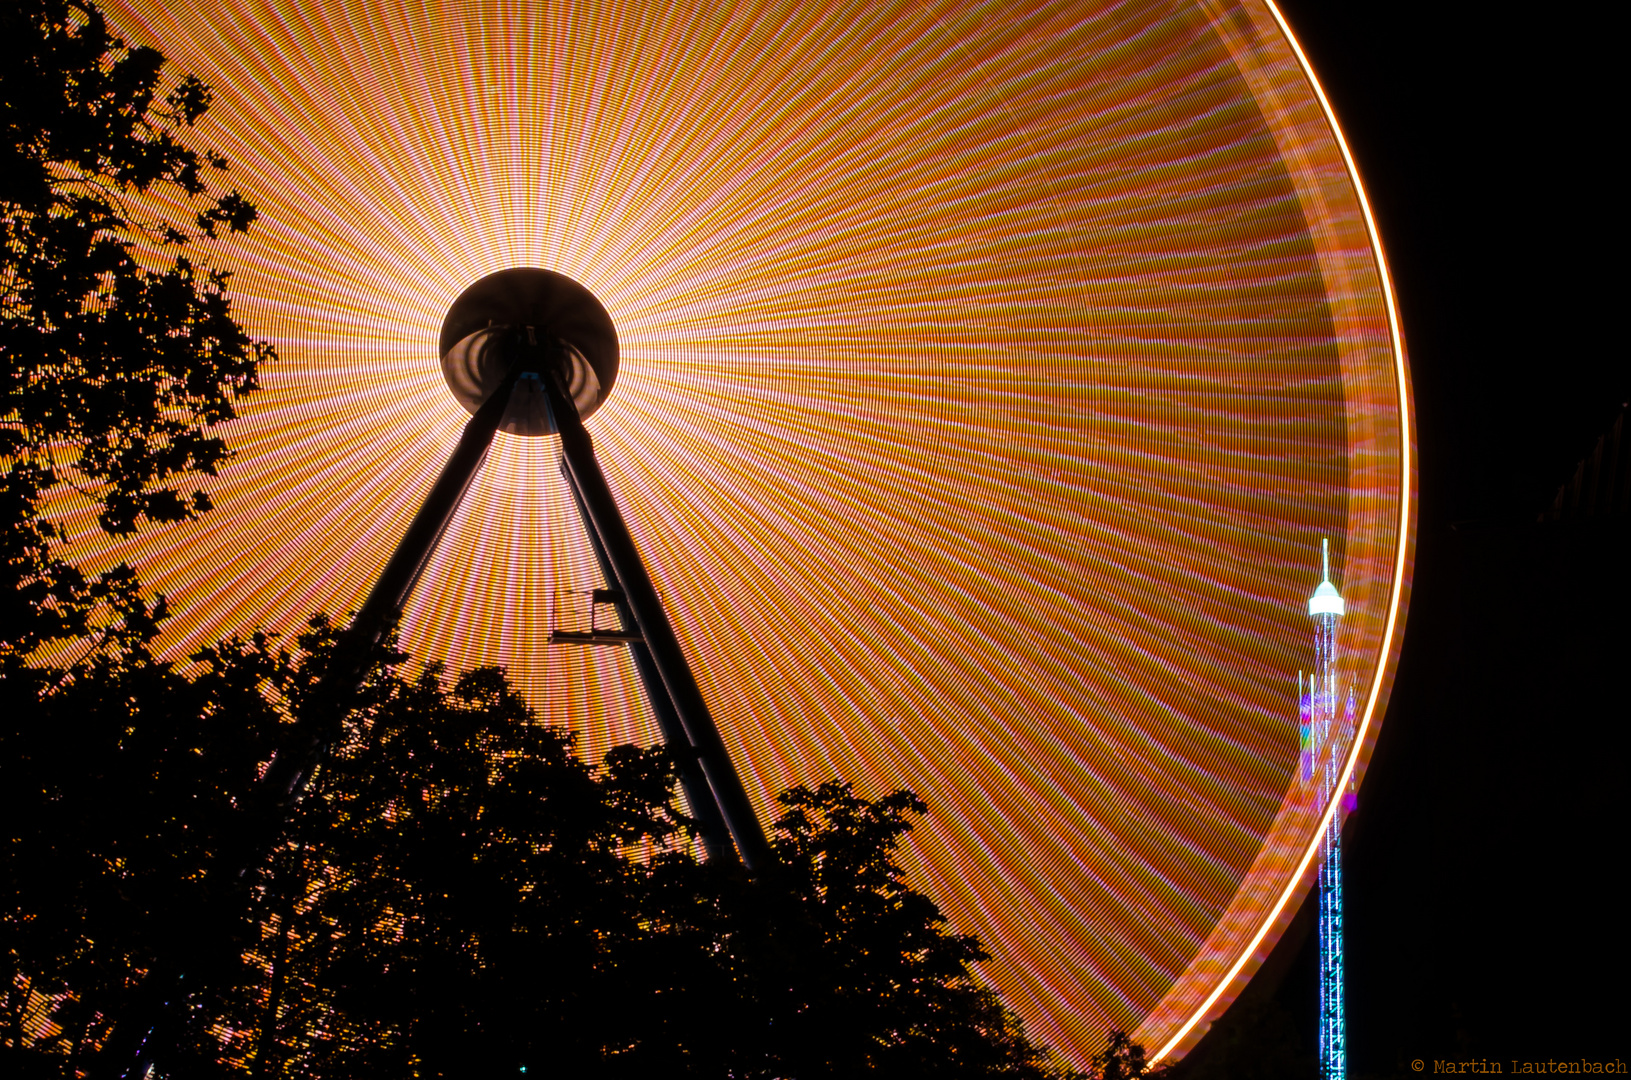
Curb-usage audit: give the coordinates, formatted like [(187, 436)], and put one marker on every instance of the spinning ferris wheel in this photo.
[(983, 379)]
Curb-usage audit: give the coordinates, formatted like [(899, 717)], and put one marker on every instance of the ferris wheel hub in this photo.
[(525, 311)]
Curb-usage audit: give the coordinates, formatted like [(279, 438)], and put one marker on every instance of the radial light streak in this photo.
[(988, 372)]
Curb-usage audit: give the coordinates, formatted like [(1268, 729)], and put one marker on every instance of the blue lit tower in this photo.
[(1319, 708)]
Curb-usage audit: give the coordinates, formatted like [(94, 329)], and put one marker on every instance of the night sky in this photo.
[(1485, 901)]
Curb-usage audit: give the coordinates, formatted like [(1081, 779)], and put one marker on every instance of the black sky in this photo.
[(1486, 909), (1486, 138)]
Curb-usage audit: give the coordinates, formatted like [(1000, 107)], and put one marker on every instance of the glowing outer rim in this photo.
[(1405, 497)]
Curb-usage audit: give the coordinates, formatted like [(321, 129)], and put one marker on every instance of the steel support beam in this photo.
[(611, 534), (699, 797), (291, 768)]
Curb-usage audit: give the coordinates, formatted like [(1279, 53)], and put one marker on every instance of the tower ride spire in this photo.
[(1319, 708)]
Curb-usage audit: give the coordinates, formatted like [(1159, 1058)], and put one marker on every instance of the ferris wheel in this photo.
[(982, 379)]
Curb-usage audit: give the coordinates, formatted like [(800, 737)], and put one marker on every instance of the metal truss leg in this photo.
[(716, 838), (605, 522)]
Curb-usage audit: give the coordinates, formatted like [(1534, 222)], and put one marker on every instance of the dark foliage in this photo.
[(463, 894), (118, 355), (118, 351), (1123, 1059), (876, 982), (456, 897), (459, 894), (117, 791)]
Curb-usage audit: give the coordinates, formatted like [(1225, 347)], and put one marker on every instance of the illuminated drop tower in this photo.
[(1323, 741)]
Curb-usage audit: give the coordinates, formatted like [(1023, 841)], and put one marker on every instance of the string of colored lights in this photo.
[(986, 372)]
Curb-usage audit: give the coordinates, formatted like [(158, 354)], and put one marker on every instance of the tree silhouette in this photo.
[(120, 356), (455, 894), (1123, 1059), (118, 793), (886, 987), (462, 894), (459, 893), (120, 351)]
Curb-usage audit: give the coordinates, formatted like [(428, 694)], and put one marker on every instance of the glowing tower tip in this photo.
[(1326, 600)]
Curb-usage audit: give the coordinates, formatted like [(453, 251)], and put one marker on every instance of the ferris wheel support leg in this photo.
[(290, 770), (605, 520), (716, 838)]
